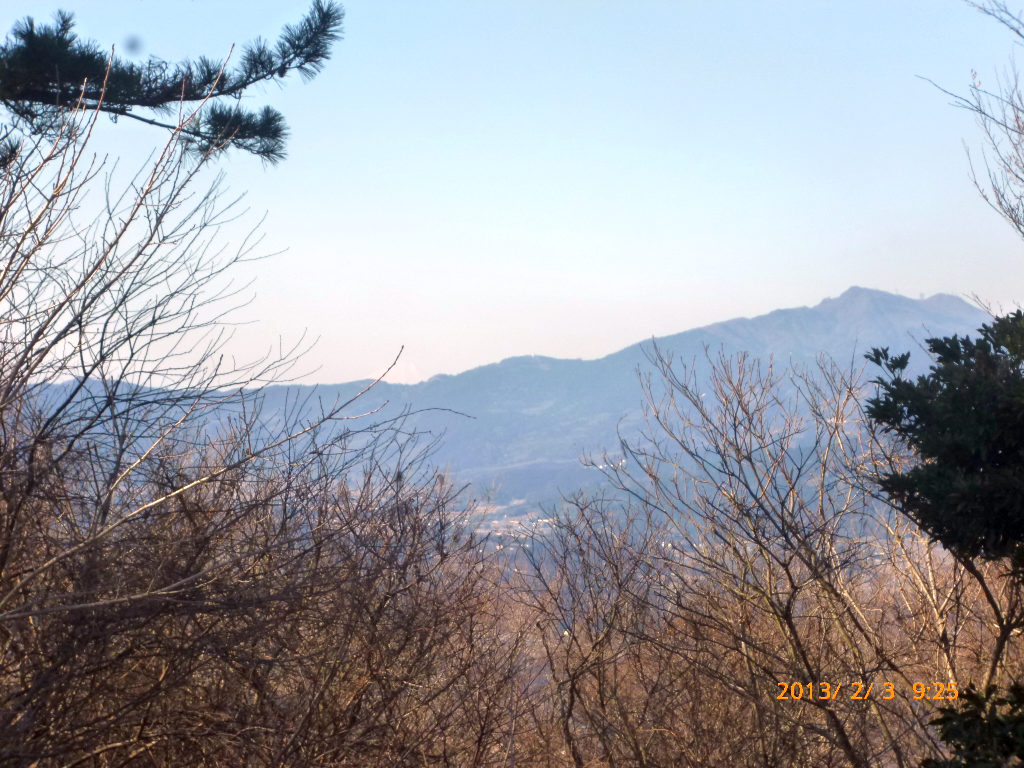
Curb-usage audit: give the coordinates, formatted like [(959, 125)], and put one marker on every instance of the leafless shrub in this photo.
[(999, 111), (181, 581), (755, 551)]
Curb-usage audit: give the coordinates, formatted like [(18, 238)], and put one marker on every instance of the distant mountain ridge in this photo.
[(532, 415)]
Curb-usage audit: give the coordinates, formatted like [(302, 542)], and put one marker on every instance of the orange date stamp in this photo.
[(864, 692)]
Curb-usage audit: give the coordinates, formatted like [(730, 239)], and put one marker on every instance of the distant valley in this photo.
[(528, 418)]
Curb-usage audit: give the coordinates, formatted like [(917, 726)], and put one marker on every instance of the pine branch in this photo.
[(46, 69)]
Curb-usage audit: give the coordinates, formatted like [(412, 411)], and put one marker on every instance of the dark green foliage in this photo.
[(43, 68), (965, 421), (985, 731)]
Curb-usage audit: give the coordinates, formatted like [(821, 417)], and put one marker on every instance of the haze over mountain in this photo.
[(528, 418)]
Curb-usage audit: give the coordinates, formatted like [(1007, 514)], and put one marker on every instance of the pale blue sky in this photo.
[(477, 180)]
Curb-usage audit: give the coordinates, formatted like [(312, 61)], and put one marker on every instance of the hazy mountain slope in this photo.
[(532, 414)]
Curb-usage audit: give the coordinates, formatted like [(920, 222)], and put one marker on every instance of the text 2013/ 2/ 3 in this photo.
[(861, 692)]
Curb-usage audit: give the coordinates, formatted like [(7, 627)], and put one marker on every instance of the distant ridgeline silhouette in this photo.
[(533, 415)]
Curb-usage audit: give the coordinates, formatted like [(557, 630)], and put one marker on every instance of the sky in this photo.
[(478, 180)]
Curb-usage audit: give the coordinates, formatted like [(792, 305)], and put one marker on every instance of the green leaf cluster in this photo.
[(985, 731), (965, 422), (46, 69)]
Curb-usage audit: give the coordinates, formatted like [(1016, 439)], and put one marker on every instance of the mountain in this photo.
[(527, 418)]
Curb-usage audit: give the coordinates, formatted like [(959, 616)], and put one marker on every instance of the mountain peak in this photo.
[(872, 306), (532, 415), (858, 295)]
